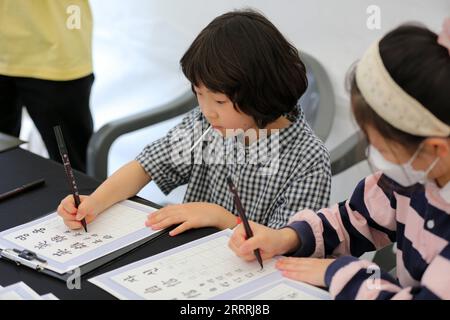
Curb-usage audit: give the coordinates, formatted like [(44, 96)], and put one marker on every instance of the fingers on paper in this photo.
[(181, 228), (68, 205), (72, 224), (164, 218)]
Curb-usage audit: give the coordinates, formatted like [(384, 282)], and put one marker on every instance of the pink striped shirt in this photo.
[(381, 212)]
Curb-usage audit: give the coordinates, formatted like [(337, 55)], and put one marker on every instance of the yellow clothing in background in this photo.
[(41, 39)]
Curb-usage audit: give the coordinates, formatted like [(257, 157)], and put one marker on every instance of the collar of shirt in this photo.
[(437, 196), (444, 192), (276, 143)]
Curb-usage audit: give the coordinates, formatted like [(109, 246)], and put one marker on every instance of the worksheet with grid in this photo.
[(18, 291), (202, 269), (286, 289), (65, 249)]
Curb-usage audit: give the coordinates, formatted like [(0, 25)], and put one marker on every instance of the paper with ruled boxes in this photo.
[(202, 269), (65, 249)]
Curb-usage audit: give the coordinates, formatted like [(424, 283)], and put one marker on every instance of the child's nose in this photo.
[(209, 113)]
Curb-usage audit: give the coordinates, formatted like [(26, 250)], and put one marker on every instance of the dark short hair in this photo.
[(421, 67), (242, 55)]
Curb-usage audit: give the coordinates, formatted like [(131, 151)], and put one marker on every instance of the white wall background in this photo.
[(138, 43)]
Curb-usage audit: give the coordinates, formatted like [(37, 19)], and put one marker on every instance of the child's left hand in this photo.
[(191, 215), (309, 270)]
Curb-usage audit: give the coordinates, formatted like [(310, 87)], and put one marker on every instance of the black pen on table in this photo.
[(21, 189), (243, 216), (68, 169)]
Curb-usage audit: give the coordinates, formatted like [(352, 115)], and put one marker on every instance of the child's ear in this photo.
[(441, 146)]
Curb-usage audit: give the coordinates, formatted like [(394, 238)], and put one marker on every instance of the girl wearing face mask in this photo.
[(400, 94)]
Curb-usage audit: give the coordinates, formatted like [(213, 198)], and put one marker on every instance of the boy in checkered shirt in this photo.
[(248, 79)]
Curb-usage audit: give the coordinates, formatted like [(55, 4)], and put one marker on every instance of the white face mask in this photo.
[(403, 174)]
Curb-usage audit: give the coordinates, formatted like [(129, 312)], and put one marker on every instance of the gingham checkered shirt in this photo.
[(302, 176)]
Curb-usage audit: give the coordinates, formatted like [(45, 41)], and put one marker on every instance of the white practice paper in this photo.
[(202, 269), (65, 249)]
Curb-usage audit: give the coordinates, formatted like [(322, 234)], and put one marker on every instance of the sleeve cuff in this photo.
[(307, 239), (336, 266)]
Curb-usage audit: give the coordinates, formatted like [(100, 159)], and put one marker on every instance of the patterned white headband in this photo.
[(391, 102)]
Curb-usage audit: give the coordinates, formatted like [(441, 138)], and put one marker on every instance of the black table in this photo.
[(17, 167)]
